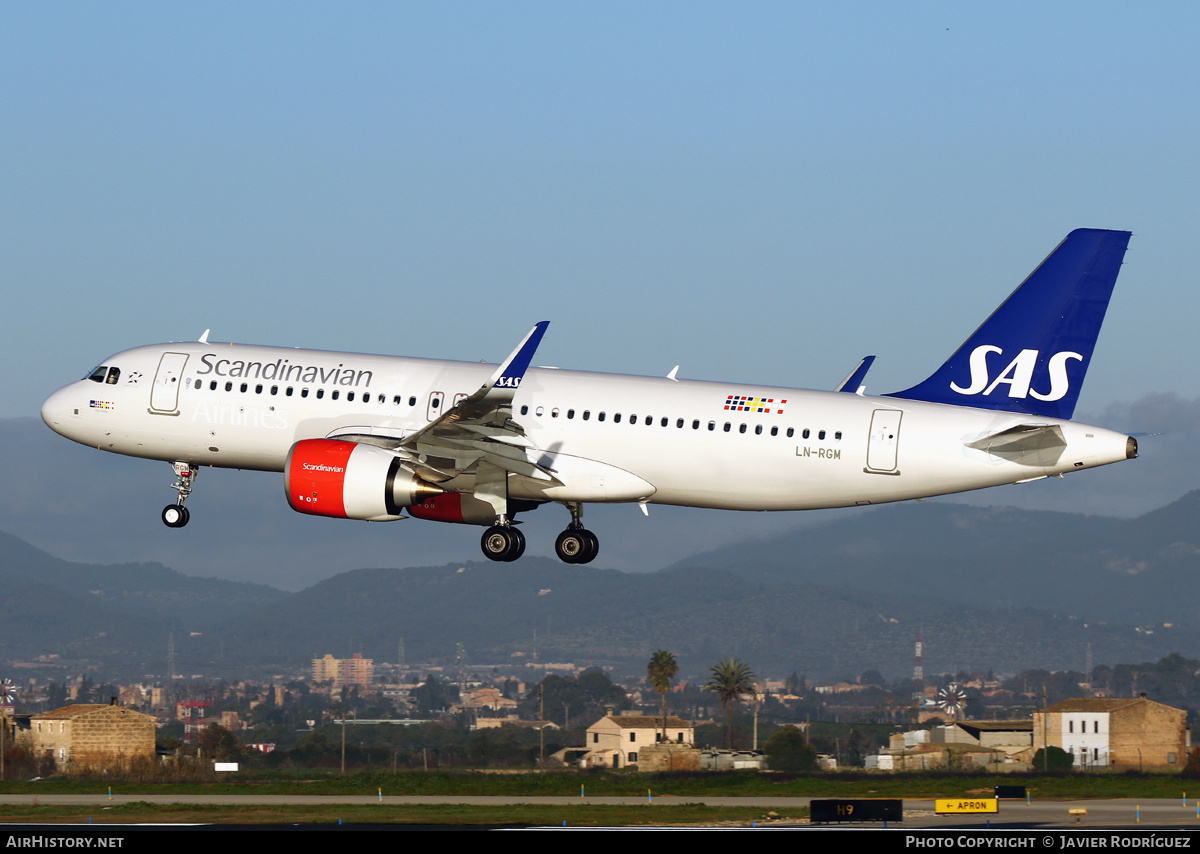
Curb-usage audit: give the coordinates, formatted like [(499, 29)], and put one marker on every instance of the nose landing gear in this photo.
[(176, 515)]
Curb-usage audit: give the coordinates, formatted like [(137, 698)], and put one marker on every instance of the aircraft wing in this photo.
[(480, 427)]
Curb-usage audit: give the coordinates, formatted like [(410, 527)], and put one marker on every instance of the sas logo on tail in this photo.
[(1018, 376)]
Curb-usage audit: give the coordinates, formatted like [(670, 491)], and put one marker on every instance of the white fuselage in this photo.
[(607, 437)]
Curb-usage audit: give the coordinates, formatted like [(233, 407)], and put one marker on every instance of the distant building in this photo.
[(92, 737), (1127, 734), (344, 672), (985, 745), (616, 741), (487, 698)]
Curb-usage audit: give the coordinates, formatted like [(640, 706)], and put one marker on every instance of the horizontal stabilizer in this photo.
[(1027, 444)]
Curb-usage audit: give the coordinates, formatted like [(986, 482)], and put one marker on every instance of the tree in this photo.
[(787, 752), (660, 671), (219, 744), (1059, 760), (729, 679)]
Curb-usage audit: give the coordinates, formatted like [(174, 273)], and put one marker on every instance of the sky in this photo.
[(757, 192)]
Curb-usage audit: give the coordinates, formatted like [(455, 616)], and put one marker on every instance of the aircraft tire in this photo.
[(593, 548), (498, 543), (573, 545), (518, 545), (175, 516)]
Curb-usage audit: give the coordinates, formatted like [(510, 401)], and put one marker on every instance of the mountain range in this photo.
[(989, 588)]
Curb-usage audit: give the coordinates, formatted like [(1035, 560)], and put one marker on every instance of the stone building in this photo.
[(92, 737), (616, 741), (1126, 734)]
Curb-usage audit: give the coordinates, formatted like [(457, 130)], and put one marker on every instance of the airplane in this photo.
[(369, 437)]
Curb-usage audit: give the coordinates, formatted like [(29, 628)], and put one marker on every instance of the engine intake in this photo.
[(346, 480)]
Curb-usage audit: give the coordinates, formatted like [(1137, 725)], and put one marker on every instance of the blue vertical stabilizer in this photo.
[(1031, 355)]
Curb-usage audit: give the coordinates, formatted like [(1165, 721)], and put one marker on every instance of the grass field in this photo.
[(665, 809)]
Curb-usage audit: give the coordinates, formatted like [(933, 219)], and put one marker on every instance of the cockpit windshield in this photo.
[(105, 374)]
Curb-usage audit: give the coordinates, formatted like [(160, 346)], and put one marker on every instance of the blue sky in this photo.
[(759, 192)]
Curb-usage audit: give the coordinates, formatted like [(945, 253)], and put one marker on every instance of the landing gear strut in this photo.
[(176, 515), (576, 544), (503, 542)]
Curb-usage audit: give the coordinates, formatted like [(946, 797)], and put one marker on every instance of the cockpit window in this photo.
[(105, 374)]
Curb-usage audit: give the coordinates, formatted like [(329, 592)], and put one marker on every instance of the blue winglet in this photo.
[(854, 382), (513, 369), (1031, 355)]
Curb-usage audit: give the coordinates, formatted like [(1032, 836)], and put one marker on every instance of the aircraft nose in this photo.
[(56, 409)]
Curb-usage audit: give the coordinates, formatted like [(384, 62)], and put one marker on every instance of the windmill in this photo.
[(952, 700)]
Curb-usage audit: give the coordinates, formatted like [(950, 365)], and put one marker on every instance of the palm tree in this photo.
[(660, 671), (729, 679)]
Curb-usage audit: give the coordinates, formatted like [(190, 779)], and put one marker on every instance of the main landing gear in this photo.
[(576, 544), (503, 541), (176, 515)]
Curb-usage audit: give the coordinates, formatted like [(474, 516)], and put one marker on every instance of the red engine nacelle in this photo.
[(346, 480), (454, 507)]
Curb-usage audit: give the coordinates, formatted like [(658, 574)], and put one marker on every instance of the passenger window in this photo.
[(650, 420), (258, 389), (791, 432), (412, 401), (727, 426), (805, 434), (320, 393), (228, 386), (821, 435), (350, 396), (304, 392), (524, 410), (334, 394), (212, 386), (712, 425), (600, 417), (289, 391), (774, 431), (679, 424), (244, 387), (587, 413), (554, 412), (570, 413), (274, 389), (396, 400), (696, 424), (838, 435), (758, 430)]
